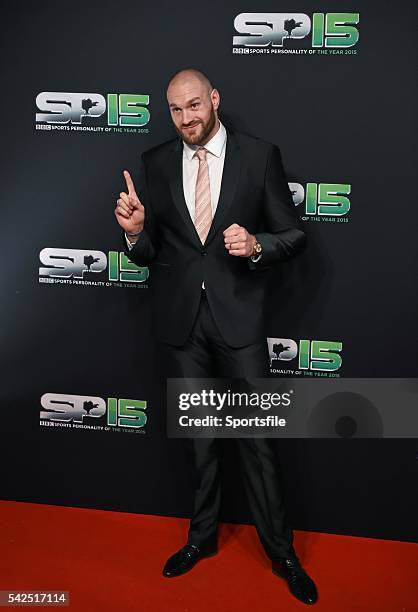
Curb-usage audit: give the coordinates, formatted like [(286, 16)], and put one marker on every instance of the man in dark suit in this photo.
[(211, 213)]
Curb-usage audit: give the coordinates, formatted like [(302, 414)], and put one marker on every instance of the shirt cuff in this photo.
[(130, 245)]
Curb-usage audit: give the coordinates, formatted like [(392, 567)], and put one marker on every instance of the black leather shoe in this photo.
[(300, 584), (185, 559)]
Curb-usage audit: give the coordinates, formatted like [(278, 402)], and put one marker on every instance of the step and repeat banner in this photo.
[(84, 93)]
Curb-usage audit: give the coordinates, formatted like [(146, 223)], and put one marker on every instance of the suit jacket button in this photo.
[(203, 252)]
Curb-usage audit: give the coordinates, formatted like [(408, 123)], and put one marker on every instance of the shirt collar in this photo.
[(214, 146)]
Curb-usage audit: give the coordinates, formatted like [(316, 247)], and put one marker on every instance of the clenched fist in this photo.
[(238, 241), (129, 211)]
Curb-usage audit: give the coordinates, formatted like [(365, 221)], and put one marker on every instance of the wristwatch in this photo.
[(257, 250)]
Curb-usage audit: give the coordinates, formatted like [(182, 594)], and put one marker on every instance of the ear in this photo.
[(216, 98)]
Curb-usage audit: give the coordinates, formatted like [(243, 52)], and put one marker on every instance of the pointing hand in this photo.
[(129, 212)]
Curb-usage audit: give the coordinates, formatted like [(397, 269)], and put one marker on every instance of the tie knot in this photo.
[(201, 154)]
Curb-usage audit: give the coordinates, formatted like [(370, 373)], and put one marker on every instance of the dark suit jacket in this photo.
[(255, 194)]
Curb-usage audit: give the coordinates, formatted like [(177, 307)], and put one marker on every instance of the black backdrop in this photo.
[(339, 119)]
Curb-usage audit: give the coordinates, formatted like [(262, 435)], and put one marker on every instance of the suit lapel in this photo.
[(176, 188), (230, 178)]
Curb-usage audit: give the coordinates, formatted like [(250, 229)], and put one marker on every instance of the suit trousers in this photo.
[(206, 355)]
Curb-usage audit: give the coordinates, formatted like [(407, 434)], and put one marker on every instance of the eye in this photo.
[(195, 104)]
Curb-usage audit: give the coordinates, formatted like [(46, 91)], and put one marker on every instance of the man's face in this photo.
[(193, 110)]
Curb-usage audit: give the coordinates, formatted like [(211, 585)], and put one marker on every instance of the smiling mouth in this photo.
[(190, 127)]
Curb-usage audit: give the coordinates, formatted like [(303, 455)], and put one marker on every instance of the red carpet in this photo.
[(113, 561)]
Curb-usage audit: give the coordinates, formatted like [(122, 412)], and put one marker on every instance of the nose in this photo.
[(187, 117)]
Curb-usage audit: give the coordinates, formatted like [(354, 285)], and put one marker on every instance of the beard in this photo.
[(201, 131)]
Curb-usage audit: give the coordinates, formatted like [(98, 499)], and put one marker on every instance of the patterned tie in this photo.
[(203, 208)]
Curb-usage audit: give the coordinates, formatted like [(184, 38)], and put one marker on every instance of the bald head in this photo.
[(192, 77), (193, 104)]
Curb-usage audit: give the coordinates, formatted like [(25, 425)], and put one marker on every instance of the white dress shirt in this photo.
[(215, 157)]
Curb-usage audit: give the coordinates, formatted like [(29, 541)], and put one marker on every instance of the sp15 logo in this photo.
[(320, 355), (330, 30), (322, 198), (75, 263), (65, 107), (76, 408)]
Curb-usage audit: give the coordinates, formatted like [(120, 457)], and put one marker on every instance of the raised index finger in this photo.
[(129, 183)]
